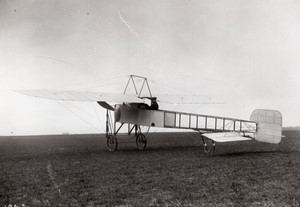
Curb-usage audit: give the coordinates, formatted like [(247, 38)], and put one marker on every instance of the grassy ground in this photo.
[(77, 170)]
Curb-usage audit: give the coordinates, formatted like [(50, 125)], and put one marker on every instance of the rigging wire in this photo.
[(111, 122), (229, 125), (98, 118), (88, 113), (249, 126), (117, 81), (108, 81), (167, 87), (81, 118)]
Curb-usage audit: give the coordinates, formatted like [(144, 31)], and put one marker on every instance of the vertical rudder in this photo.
[(269, 125)]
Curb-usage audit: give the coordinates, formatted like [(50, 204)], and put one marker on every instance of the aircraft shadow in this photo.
[(243, 153)]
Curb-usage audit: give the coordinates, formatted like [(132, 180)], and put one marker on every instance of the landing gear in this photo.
[(140, 138), (112, 131), (209, 145), (112, 143), (141, 141)]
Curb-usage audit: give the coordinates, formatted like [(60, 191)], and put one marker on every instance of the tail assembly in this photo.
[(269, 125)]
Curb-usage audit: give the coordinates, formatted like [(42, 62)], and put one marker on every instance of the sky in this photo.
[(243, 53)]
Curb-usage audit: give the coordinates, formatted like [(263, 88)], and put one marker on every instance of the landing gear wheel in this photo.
[(112, 143), (141, 141), (209, 145)]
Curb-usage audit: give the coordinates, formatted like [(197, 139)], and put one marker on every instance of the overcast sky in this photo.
[(244, 53)]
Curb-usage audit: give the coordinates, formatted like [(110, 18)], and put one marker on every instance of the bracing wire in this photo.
[(249, 126), (107, 82), (164, 86), (81, 118), (229, 126), (110, 122), (167, 87), (89, 114), (111, 82), (98, 117)]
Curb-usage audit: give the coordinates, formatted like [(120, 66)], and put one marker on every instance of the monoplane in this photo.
[(131, 112)]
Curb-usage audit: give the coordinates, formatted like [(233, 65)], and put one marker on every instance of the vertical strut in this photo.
[(240, 126), (234, 125), (107, 127), (216, 123)]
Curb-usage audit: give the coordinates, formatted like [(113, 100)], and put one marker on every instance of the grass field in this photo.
[(77, 170)]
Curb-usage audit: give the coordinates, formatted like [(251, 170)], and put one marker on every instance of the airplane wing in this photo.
[(88, 96), (226, 136), (185, 99), (82, 96)]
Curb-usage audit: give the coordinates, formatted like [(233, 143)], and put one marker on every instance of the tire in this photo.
[(141, 141), (112, 143)]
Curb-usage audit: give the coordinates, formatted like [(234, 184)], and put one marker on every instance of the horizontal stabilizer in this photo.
[(82, 96), (226, 137)]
